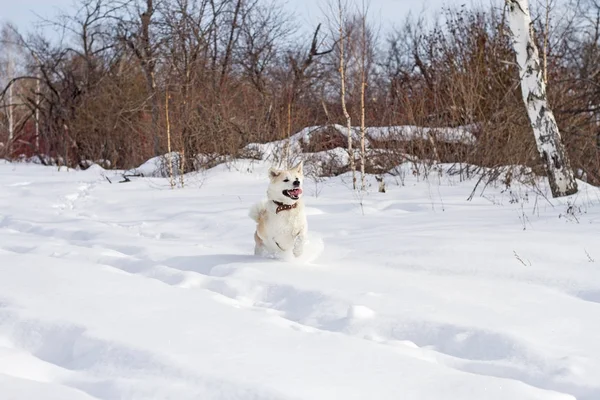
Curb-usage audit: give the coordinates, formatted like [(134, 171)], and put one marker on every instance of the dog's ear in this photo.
[(273, 173), (298, 167)]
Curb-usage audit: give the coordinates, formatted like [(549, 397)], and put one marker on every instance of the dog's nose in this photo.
[(296, 182)]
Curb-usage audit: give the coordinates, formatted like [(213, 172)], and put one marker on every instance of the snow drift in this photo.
[(137, 291)]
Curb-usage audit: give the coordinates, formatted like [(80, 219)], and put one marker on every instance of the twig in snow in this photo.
[(520, 259), (126, 177), (590, 259)]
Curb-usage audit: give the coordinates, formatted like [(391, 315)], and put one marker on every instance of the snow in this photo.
[(462, 134), (136, 291)]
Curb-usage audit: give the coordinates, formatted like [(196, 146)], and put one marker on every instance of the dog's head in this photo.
[(286, 185)]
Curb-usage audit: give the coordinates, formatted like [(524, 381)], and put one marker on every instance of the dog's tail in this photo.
[(256, 210)]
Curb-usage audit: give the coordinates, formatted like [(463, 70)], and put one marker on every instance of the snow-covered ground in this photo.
[(137, 291)]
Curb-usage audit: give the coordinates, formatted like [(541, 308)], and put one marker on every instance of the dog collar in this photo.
[(283, 207)]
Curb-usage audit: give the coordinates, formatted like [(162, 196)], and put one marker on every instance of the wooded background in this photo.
[(235, 72)]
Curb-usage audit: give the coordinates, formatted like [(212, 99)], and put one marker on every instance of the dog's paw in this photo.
[(298, 249), (310, 250)]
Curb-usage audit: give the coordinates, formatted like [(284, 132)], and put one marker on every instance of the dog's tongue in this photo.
[(295, 192)]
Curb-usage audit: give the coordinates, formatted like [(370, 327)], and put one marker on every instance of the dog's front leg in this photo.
[(299, 243), (259, 246)]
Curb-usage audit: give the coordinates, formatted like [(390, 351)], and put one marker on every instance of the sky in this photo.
[(22, 13)]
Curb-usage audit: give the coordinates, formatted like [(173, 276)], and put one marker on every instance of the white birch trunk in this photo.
[(343, 95), (37, 114), (363, 85), (169, 154), (533, 88), (11, 123)]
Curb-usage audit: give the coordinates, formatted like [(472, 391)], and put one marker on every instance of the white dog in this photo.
[(281, 223)]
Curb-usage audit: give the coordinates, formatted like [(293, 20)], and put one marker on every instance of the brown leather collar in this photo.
[(284, 207)]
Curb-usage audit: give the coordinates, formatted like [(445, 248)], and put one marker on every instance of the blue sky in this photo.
[(22, 12), (384, 12)]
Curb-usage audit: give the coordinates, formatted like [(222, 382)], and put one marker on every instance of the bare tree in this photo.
[(169, 154), (140, 36), (264, 30), (8, 60), (363, 87), (299, 66), (10, 70), (342, 70), (533, 88), (231, 40)]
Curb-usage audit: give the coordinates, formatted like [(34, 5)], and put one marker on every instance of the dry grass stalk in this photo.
[(182, 167)]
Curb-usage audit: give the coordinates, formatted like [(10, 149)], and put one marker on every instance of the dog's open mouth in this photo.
[(293, 194)]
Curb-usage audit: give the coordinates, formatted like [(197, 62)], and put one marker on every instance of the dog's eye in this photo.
[(286, 180)]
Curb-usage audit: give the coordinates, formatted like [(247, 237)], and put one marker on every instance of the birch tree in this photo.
[(533, 89), (11, 121), (7, 42), (342, 70), (363, 86)]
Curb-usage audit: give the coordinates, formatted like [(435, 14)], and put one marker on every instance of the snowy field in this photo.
[(135, 291)]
